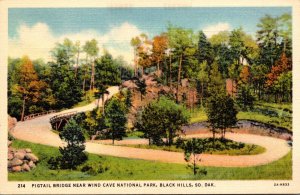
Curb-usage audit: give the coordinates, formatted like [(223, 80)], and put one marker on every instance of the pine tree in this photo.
[(73, 154), (221, 112)]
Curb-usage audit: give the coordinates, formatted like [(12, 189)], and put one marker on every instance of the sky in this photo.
[(34, 31)]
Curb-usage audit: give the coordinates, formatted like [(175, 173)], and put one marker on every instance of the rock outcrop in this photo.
[(11, 123), (21, 160)]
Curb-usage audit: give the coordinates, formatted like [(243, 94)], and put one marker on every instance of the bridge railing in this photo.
[(32, 116), (63, 115)]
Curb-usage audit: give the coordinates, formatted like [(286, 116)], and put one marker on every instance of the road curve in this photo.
[(38, 130)]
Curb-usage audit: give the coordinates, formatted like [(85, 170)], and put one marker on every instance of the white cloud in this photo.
[(216, 28), (35, 42), (38, 40)]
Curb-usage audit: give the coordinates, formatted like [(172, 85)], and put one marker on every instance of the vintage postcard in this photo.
[(133, 97)]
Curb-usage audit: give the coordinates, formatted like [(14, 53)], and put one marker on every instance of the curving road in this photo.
[(38, 130)]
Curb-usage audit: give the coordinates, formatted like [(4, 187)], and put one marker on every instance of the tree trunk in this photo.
[(135, 62), (157, 67), (103, 103), (92, 84), (170, 138), (170, 72), (23, 109), (214, 136), (178, 79), (85, 71), (113, 137), (77, 64), (201, 97), (232, 87), (195, 164)]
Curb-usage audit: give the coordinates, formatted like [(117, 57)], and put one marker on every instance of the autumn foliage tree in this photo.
[(245, 75), (29, 85), (159, 46), (281, 65)]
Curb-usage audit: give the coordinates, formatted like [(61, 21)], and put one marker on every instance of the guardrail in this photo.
[(32, 116), (58, 117)]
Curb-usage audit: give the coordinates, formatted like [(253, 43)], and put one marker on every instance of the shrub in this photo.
[(93, 168)]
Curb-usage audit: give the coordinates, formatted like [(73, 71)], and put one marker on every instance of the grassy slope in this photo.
[(278, 122), (132, 169), (199, 115)]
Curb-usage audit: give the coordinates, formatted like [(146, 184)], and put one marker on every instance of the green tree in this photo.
[(91, 49), (73, 154), (77, 50), (162, 118), (94, 121), (142, 87), (216, 83), (64, 52), (245, 97), (115, 118), (107, 74), (62, 80), (135, 42), (192, 150), (221, 51), (284, 86), (148, 121), (269, 40), (221, 113), (258, 77), (222, 38), (204, 52), (237, 45), (183, 44), (203, 78), (234, 73), (285, 31)]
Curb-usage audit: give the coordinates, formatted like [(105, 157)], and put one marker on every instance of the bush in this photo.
[(54, 163), (219, 144), (93, 168)]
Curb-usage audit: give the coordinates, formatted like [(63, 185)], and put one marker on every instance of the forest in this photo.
[(251, 69), (184, 94)]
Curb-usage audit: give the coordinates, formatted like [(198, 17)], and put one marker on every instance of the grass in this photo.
[(88, 98), (249, 149), (198, 115), (132, 169), (287, 106), (134, 135), (276, 121)]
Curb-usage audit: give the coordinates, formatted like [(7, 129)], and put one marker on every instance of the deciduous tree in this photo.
[(29, 85)]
